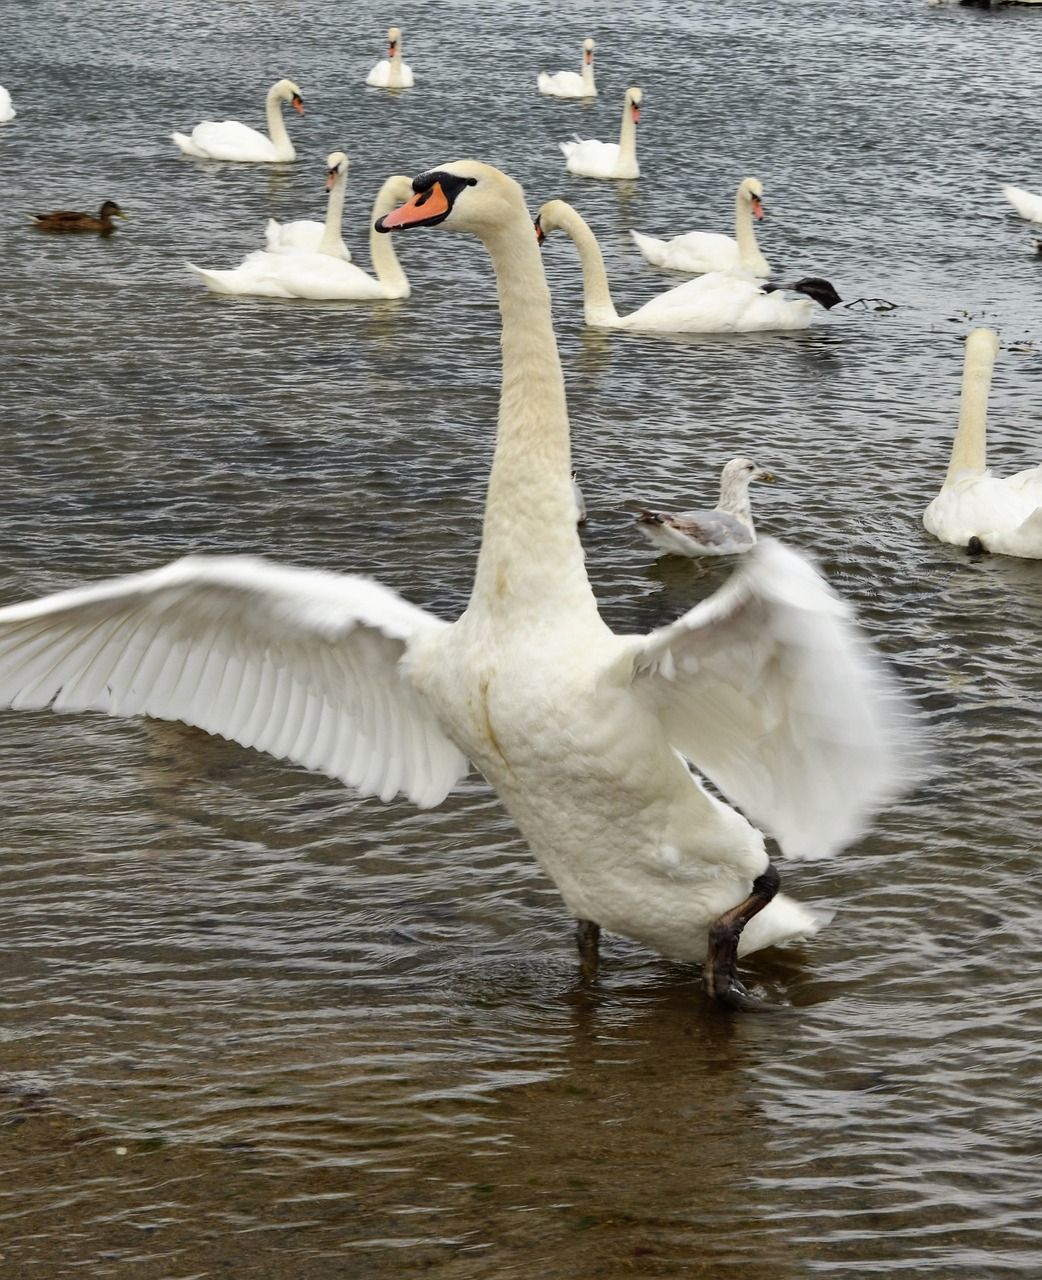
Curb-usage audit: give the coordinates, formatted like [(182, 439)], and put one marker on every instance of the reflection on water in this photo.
[(255, 1025)]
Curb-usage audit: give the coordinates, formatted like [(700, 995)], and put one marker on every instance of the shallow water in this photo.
[(253, 1025)]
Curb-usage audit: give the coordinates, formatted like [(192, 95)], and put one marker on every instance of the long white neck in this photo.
[(970, 444), (394, 75), (531, 560), (385, 262), (628, 135), (598, 307), (749, 255), (277, 126), (332, 241)]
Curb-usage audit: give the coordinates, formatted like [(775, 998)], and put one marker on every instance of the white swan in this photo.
[(726, 530), (702, 251), (714, 303), (391, 72), (974, 508), (230, 140), (768, 684), (592, 159), (570, 84), (7, 111), (320, 276), (1026, 203), (305, 233)]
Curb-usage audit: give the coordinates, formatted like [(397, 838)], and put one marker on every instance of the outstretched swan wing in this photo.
[(770, 690), (300, 663)]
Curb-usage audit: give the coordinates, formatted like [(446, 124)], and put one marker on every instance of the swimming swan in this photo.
[(311, 236), (391, 72), (592, 159), (230, 140), (767, 684), (702, 251), (974, 508), (319, 276), (714, 303), (726, 530), (570, 84), (7, 111), (1026, 203)]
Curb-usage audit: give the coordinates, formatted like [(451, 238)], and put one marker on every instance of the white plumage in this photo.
[(391, 72), (571, 84), (589, 158), (1003, 514), (767, 685), (701, 251), (311, 236), (232, 140), (1026, 203)]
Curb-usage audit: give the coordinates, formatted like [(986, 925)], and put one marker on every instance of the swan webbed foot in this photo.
[(587, 938), (720, 975)]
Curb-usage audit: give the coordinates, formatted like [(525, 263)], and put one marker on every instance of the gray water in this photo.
[(255, 1026)]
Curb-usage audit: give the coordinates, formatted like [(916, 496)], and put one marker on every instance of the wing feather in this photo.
[(300, 663), (770, 689)]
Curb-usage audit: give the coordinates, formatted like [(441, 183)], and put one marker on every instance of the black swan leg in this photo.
[(720, 976), (587, 937)]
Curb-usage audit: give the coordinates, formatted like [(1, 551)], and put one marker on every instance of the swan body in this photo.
[(767, 684), (230, 140), (391, 72), (308, 235), (1002, 515), (7, 111), (571, 84), (1026, 203), (64, 221), (726, 530), (714, 303), (320, 276), (699, 252), (589, 158)]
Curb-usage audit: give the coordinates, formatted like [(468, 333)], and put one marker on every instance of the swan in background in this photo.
[(768, 685), (714, 303), (570, 84), (592, 159), (311, 236), (726, 530), (974, 508), (391, 72), (1026, 203), (64, 221), (320, 276), (7, 111), (702, 251), (230, 140)]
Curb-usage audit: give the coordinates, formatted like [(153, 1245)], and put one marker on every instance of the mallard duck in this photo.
[(70, 220)]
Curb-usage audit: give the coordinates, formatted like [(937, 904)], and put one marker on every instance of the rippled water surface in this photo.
[(253, 1025)]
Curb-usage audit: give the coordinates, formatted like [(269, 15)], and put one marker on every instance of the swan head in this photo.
[(552, 216), (751, 192), (336, 163), (465, 195), (287, 91), (394, 39), (634, 97), (982, 345), (820, 290), (588, 48)]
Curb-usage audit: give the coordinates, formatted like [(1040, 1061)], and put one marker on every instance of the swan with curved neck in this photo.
[(230, 140), (726, 530), (715, 303), (571, 84), (321, 276), (701, 251), (309, 235), (766, 685), (975, 508), (391, 72), (592, 159)]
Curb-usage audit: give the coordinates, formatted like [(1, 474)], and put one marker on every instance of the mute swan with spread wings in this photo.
[(767, 686)]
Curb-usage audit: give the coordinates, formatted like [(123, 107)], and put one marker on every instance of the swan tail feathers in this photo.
[(650, 246)]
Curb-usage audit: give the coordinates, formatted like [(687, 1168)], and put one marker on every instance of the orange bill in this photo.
[(423, 207), (757, 207)]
